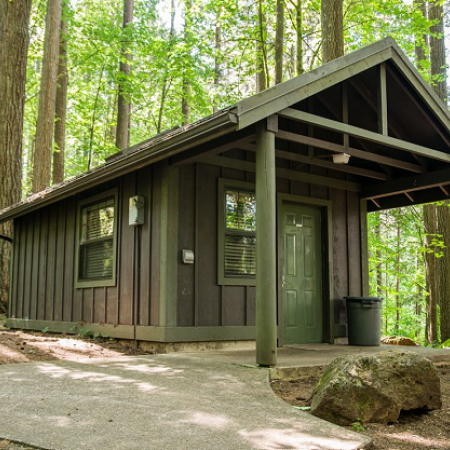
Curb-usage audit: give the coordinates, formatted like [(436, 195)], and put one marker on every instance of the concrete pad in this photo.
[(156, 402), (305, 360)]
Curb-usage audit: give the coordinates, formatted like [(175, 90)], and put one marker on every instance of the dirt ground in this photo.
[(22, 347), (414, 431)]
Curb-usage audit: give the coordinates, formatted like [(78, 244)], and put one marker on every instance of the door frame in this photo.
[(327, 261)]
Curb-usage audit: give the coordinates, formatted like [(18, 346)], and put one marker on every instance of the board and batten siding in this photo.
[(43, 290), (43, 287), (201, 300)]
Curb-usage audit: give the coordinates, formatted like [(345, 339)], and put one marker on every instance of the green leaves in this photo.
[(397, 269)]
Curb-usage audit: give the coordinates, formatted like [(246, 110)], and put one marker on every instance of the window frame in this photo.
[(90, 201), (222, 278)]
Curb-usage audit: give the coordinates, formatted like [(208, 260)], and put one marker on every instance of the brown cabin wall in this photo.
[(43, 287), (44, 256), (201, 301)]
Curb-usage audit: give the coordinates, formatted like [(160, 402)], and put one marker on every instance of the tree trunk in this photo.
[(262, 81), (397, 277), (185, 100), (14, 20), (443, 212), (438, 75), (279, 42), (332, 30), (124, 105), (299, 26), (61, 106), (431, 232), (217, 61), (421, 41), (47, 98), (166, 82), (437, 50)]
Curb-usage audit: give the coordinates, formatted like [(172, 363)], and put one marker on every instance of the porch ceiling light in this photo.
[(341, 158)]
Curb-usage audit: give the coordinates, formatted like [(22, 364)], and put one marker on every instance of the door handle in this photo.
[(283, 281)]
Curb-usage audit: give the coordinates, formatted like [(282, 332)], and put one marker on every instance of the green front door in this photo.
[(301, 274)]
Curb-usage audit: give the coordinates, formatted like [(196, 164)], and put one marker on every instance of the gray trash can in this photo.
[(364, 320)]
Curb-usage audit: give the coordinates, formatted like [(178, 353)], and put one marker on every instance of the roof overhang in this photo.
[(136, 157)]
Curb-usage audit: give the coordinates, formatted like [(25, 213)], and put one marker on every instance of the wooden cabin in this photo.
[(249, 224)]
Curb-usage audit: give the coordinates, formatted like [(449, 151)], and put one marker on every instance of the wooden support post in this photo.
[(382, 102), (266, 251), (345, 113)]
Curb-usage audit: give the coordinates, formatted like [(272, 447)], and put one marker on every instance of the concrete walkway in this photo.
[(156, 402)]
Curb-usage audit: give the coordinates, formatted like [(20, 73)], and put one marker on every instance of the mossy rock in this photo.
[(376, 388)]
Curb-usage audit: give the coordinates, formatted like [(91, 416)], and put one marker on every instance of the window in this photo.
[(237, 233), (97, 227)]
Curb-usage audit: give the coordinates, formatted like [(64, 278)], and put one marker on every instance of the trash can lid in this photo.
[(364, 299)]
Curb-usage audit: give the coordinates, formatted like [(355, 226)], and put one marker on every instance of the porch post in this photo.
[(266, 256)]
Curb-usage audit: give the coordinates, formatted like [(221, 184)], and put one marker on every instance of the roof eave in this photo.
[(142, 155)]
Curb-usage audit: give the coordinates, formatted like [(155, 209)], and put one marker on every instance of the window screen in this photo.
[(240, 227), (97, 241)]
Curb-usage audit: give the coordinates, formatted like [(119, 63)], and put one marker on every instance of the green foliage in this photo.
[(397, 270), (85, 333), (163, 59), (358, 427)]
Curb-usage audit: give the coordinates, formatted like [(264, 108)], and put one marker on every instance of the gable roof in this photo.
[(242, 116)]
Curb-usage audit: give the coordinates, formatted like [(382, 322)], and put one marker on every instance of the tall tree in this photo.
[(262, 74), (299, 33), (47, 97), (185, 99), (332, 30), (439, 80), (124, 104), (430, 212), (431, 266), (62, 80), (279, 42), (437, 49), (421, 40), (166, 81), (14, 38), (217, 58)]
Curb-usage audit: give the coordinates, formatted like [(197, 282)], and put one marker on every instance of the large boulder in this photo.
[(376, 388)]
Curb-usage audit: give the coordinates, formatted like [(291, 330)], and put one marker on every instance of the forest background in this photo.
[(82, 79)]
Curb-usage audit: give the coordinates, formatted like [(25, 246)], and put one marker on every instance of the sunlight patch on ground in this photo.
[(8, 353), (414, 439), (143, 368), (60, 372), (208, 420), (275, 439), (34, 346)]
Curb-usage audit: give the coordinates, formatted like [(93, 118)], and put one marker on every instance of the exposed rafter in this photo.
[(224, 144), (367, 135), (382, 109), (303, 159), (337, 148), (407, 185), (426, 116), (231, 163), (336, 115)]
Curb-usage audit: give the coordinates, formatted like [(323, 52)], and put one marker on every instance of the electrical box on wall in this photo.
[(136, 210), (187, 256)]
